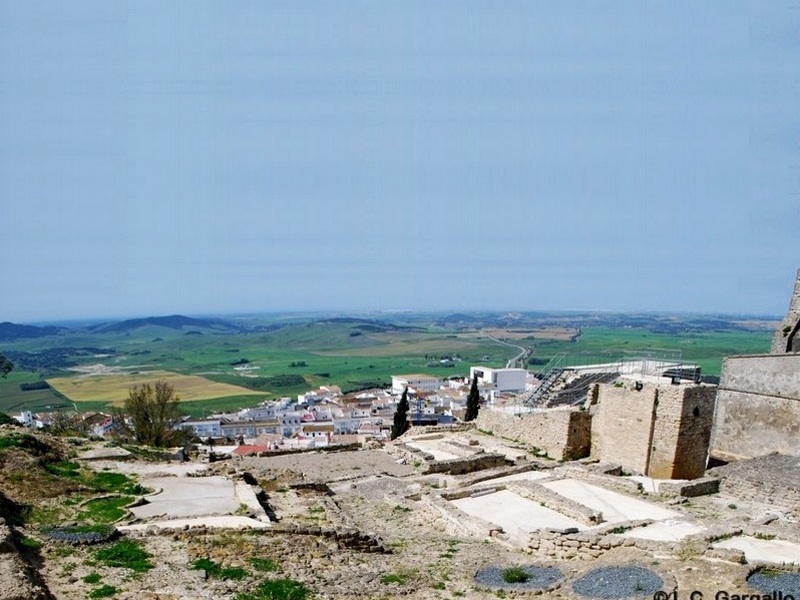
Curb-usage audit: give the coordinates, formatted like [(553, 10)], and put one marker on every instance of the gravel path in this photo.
[(540, 578), (618, 582), (769, 581)]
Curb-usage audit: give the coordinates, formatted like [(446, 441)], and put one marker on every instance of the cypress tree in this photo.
[(400, 423), (473, 401)]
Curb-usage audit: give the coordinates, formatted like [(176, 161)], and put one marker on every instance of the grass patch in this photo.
[(63, 468), (104, 591), (8, 441), (263, 564), (216, 571), (126, 554), (620, 529), (277, 589), (515, 575), (25, 543), (105, 510), (398, 578), (92, 578), (111, 482)]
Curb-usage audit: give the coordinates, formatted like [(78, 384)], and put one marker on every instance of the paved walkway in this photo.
[(515, 514), (224, 522), (768, 551), (616, 507), (188, 497)]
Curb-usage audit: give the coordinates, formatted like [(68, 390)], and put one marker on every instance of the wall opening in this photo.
[(790, 346)]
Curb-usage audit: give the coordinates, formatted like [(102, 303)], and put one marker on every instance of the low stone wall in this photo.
[(459, 466), (563, 434), (690, 489), (772, 479), (549, 499), (567, 546), (349, 538), (610, 482)]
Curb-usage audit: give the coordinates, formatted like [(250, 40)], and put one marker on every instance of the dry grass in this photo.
[(546, 333), (114, 388)]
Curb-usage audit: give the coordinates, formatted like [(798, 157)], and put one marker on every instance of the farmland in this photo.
[(227, 365), (113, 388)]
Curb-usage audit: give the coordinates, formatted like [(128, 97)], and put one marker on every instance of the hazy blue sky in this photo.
[(202, 157)]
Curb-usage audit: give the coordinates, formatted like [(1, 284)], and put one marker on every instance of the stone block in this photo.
[(690, 489)]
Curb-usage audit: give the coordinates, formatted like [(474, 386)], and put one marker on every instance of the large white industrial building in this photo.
[(501, 380)]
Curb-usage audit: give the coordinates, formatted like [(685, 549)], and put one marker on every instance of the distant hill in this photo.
[(176, 322), (370, 325), (12, 331)]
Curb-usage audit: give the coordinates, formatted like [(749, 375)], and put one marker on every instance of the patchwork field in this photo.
[(114, 388), (287, 356)]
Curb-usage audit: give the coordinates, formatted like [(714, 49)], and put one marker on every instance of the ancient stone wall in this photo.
[(660, 431), (758, 407), (682, 432), (561, 433), (787, 336), (622, 426)]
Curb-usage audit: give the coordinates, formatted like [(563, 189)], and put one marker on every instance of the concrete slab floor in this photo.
[(188, 497), (671, 530), (225, 522), (526, 476), (515, 514), (616, 507), (432, 447), (768, 551)]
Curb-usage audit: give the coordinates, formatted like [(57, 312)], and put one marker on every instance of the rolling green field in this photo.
[(286, 359), (597, 344)]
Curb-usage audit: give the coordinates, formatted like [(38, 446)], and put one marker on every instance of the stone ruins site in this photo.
[(653, 487)]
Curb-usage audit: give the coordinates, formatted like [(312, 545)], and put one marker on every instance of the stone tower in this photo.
[(787, 337)]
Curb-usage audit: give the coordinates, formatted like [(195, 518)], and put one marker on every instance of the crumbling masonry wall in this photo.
[(682, 431), (758, 407), (659, 431), (622, 426), (561, 433), (787, 336)]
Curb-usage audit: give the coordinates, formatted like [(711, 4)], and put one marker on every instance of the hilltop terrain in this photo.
[(365, 523)]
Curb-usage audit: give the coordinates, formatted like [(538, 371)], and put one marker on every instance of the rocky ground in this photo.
[(348, 527)]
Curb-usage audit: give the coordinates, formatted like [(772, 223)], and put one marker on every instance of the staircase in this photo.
[(549, 374)]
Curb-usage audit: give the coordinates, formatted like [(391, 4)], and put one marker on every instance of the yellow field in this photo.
[(114, 388)]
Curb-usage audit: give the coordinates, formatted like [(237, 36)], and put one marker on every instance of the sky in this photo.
[(212, 157)]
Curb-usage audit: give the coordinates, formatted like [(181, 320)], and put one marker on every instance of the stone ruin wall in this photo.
[(659, 431), (787, 336), (621, 426), (758, 407), (561, 433), (682, 432)]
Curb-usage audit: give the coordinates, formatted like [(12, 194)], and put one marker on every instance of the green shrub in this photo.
[(216, 571), (515, 575), (277, 589), (92, 578), (393, 578)]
